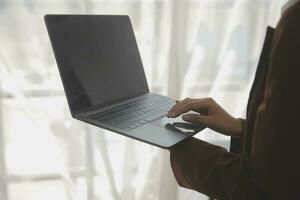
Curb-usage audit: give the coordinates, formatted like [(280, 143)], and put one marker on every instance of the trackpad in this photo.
[(178, 125)]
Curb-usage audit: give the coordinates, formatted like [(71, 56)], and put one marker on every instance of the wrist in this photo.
[(238, 128)]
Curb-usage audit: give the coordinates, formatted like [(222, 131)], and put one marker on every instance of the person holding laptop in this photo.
[(264, 161)]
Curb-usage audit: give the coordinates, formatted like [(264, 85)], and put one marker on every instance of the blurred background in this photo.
[(189, 48)]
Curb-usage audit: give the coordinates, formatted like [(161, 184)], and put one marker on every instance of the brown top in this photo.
[(268, 167)]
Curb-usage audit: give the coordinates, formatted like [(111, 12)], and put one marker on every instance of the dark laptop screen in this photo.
[(98, 59)]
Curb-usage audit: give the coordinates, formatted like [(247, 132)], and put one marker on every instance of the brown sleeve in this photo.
[(213, 171), (236, 144)]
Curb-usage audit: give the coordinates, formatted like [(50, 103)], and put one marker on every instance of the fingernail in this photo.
[(172, 114), (186, 117)]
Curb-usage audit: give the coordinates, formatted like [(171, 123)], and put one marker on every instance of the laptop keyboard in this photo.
[(136, 113)]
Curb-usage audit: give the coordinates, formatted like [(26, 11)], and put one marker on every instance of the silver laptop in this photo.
[(104, 80)]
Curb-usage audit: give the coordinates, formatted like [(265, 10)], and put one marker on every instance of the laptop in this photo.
[(105, 83)]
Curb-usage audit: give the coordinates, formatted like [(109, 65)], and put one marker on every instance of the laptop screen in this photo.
[(98, 59)]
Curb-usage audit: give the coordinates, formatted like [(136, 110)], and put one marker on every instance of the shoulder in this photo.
[(287, 32), (291, 17)]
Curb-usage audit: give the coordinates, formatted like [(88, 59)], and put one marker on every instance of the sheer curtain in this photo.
[(189, 48)]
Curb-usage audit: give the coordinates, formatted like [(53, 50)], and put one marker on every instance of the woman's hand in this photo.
[(210, 114)]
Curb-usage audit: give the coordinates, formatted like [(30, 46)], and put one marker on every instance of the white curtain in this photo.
[(189, 48)]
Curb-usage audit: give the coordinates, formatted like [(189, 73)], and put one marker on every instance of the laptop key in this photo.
[(142, 121), (131, 126), (155, 116)]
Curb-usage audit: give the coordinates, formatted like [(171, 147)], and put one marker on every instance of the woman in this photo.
[(268, 163)]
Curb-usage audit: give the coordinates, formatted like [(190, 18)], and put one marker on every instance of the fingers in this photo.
[(203, 119), (188, 105), (177, 105)]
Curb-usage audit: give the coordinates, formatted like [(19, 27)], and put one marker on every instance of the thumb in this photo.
[(196, 118)]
